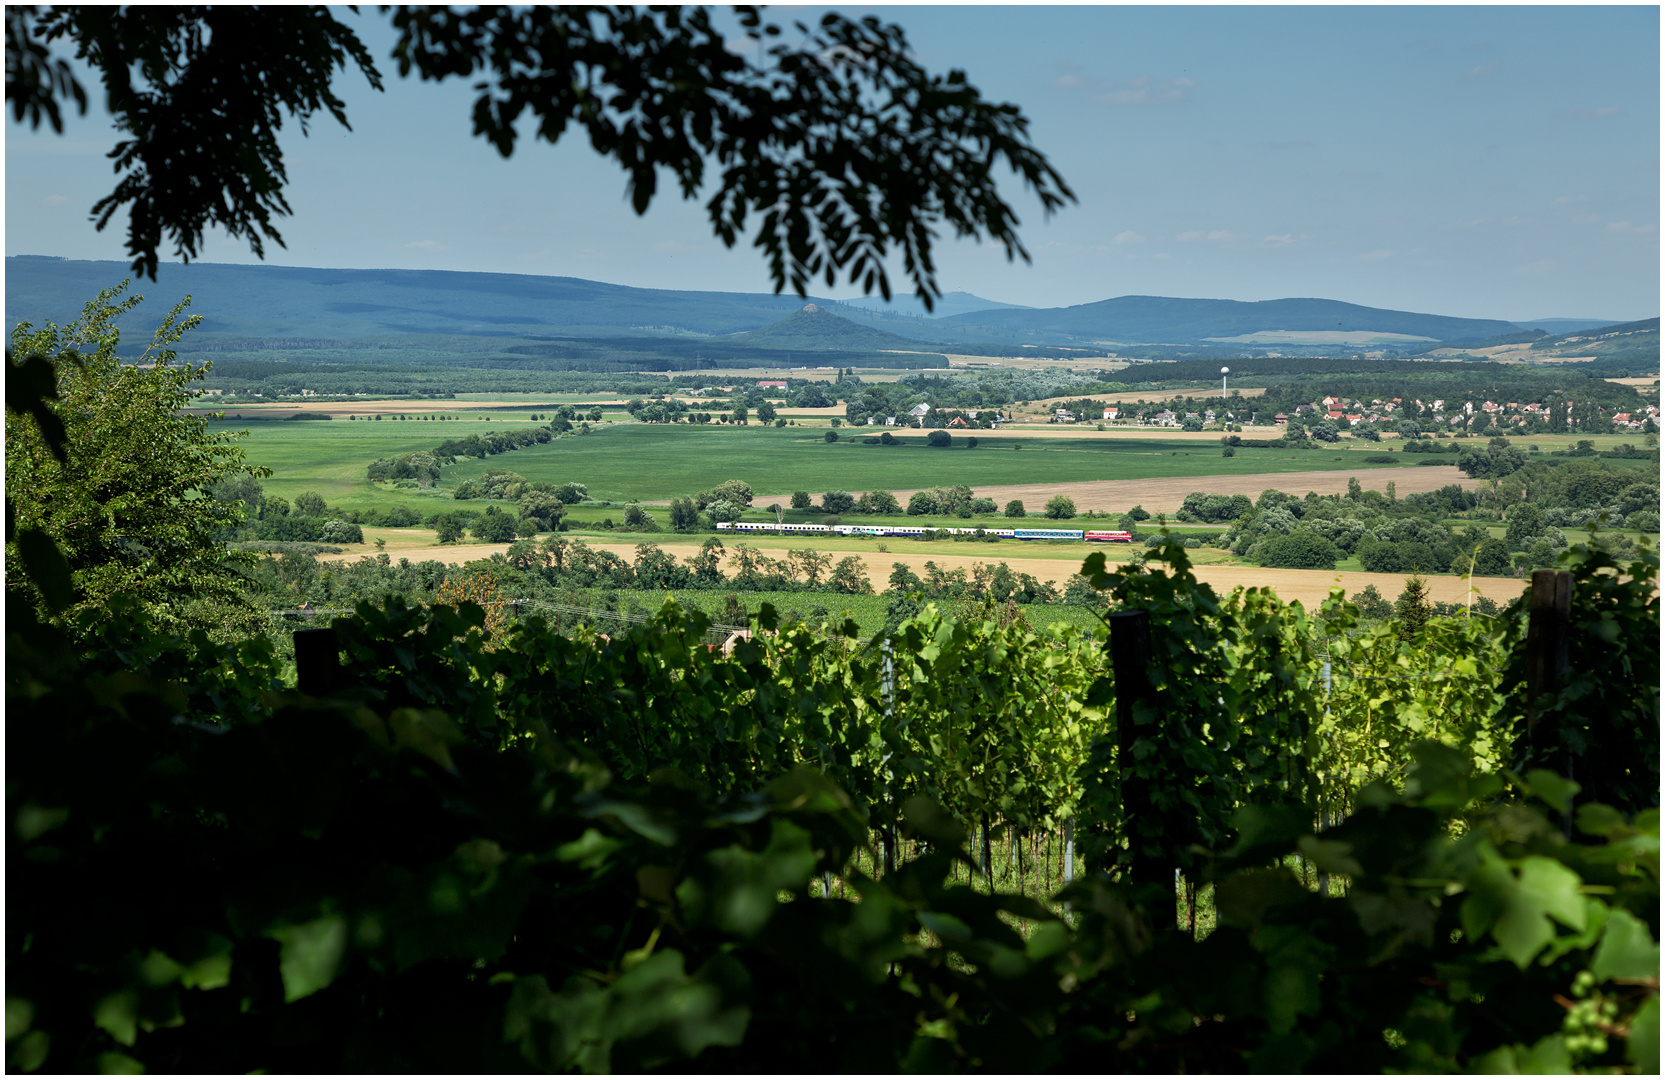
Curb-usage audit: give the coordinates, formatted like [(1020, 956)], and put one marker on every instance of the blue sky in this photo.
[(1496, 162)]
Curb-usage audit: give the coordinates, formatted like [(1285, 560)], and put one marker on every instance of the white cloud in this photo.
[(1585, 219), (1378, 254), (54, 200), (427, 245), (1069, 82), (1480, 71), (1279, 241), (1563, 200), (1128, 237)]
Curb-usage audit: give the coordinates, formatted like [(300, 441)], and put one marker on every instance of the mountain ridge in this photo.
[(257, 302)]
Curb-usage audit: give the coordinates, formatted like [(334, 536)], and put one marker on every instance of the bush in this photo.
[(494, 527), (341, 532), (923, 502), (310, 504), (838, 502), (878, 502), (1060, 507), (1299, 550), (1014, 509), (887, 439), (831, 436), (800, 500), (1643, 521), (939, 438), (971, 442), (637, 518)]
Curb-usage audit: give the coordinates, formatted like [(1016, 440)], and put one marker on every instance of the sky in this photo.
[(1487, 162)]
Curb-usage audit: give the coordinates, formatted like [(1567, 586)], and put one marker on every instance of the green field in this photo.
[(661, 462), (620, 462)]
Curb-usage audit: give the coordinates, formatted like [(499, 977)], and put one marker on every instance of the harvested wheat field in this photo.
[(1308, 586), (1166, 495)]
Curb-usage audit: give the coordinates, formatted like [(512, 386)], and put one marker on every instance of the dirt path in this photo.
[(1308, 586)]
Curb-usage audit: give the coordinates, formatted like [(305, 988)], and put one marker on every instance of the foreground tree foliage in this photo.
[(841, 143), (468, 858), (122, 485)]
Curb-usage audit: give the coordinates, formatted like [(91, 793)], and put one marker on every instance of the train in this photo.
[(1098, 536)]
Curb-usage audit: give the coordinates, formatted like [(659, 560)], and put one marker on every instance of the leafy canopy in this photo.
[(127, 503), (842, 143)]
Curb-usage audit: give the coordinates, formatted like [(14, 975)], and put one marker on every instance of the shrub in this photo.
[(800, 500), (341, 532), (494, 527), (1299, 550), (832, 436), (887, 439), (923, 502), (838, 502), (1060, 507), (1014, 509), (878, 502), (939, 438), (637, 518)]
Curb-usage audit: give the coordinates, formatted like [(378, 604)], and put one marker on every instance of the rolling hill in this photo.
[(1176, 321), (254, 309)]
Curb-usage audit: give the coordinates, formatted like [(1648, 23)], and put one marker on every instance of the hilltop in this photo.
[(812, 327), (1153, 320)]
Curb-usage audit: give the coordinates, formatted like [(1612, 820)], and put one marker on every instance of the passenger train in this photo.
[(921, 531)]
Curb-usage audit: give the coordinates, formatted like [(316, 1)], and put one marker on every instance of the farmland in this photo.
[(656, 462)]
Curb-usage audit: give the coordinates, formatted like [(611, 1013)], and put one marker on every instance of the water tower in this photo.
[(1223, 373)]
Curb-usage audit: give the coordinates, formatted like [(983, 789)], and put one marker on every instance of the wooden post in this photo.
[(1549, 623), (1130, 659), (1548, 635), (317, 661)]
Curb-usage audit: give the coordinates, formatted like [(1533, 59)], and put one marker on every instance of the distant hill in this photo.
[(812, 327), (259, 308), (306, 302), (1169, 320), (1562, 326), (1630, 347), (954, 303)]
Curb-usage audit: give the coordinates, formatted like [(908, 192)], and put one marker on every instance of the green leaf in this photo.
[(1553, 789), (118, 1014), (1642, 1047), (1555, 888), (1627, 950), (311, 955)]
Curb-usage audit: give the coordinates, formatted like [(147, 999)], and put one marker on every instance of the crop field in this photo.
[(654, 463)]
